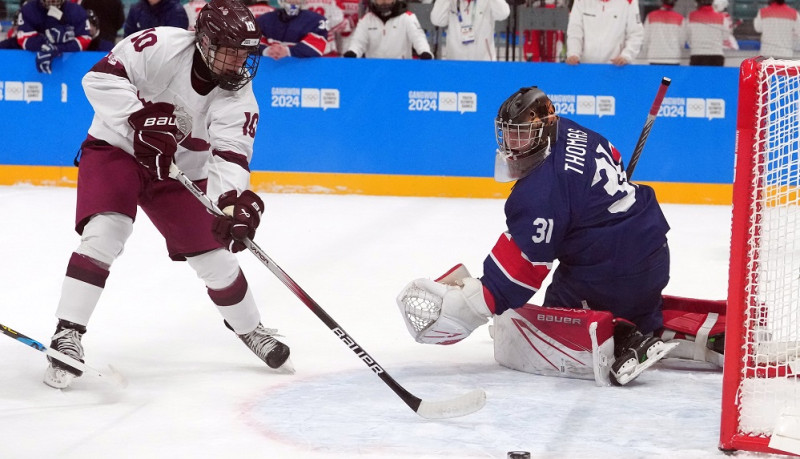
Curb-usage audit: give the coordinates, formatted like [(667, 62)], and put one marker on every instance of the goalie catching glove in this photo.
[(155, 137), (446, 310), (242, 217)]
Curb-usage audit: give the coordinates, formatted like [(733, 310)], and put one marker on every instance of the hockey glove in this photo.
[(242, 216), (155, 137), (44, 58), (425, 56), (56, 35), (446, 310), (349, 53)]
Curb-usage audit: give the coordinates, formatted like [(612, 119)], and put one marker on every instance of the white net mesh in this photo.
[(771, 357)]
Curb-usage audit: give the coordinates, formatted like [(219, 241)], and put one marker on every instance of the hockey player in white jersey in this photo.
[(168, 95)]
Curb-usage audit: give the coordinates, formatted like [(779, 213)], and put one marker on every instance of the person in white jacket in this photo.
[(388, 31), (604, 31), (470, 27), (779, 25)]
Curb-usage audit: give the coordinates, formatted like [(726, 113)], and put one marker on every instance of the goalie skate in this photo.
[(637, 358), (271, 351), (66, 340)]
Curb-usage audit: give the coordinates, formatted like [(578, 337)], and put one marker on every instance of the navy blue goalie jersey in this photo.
[(577, 207)]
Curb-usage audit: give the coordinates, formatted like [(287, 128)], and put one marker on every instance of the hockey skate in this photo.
[(66, 340), (271, 351), (634, 352)]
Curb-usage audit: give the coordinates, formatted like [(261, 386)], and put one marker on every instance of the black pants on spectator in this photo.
[(707, 59)]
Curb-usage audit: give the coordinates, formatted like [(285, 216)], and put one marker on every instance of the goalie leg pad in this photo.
[(572, 343), (698, 326)]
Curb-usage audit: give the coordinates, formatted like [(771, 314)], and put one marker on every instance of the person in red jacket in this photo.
[(664, 35)]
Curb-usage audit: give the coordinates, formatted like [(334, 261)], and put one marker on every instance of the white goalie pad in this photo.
[(571, 343)]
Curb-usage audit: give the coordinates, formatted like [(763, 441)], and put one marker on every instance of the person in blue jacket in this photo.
[(50, 28), (154, 13), (293, 31)]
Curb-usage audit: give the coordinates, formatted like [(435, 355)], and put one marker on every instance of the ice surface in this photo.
[(195, 391)]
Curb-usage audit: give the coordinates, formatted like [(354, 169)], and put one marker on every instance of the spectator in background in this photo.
[(293, 31), (543, 45), (779, 25), (9, 39), (604, 31), (154, 13), (352, 12), (110, 15), (334, 14), (664, 35), (259, 7), (192, 8), (98, 43), (708, 30), (470, 27), (50, 28), (388, 31), (730, 42)]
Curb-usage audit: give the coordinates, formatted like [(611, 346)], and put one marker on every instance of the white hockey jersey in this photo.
[(392, 40), (155, 65), (470, 27), (599, 31)]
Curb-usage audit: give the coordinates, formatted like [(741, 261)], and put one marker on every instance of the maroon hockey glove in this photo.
[(230, 231), (155, 137)]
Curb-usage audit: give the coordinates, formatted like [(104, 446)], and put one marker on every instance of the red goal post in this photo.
[(762, 349)]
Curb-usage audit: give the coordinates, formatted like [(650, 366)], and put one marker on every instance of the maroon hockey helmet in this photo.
[(227, 36), (525, 127)]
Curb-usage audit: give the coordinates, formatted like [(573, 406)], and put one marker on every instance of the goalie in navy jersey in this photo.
[(572, 202), (167, 96), (51, 28)]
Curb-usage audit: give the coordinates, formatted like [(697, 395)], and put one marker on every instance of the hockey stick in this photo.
[(648, 125), (441, 409), (112, 377)]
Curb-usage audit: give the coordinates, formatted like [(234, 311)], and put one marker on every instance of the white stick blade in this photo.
[(453, 408)]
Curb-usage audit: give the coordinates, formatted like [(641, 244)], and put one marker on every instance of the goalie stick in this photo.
[(113, 377), (438, 409), (648, 125)]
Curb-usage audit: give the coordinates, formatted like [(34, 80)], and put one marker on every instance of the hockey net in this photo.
[(762, 349)]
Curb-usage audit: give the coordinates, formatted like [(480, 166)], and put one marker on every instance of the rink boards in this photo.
[(405, 128)]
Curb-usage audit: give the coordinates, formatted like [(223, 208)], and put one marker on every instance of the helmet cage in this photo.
[(219, 60), (227, 37), (519, 140)]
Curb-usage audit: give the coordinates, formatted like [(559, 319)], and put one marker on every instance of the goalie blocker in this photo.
[(565, 342)]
